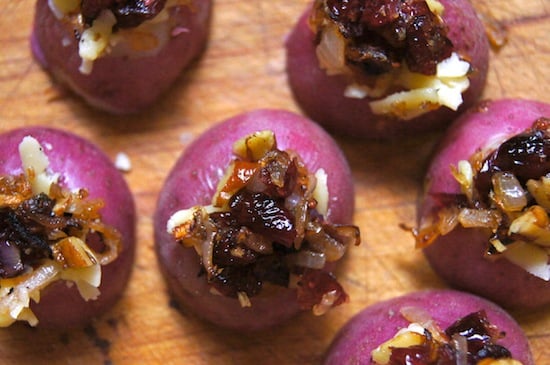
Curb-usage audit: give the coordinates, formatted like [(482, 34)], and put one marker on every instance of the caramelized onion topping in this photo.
[(380, 35), (507, 194), (32, 224), (470, 340), (263, 228)]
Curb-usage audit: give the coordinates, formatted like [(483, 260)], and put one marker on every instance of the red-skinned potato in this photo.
[(134, 72), (79, 165), (322, 98), (480, 259), (193, 181), (380, 322)]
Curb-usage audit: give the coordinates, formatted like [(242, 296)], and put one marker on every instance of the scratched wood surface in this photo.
[(242, 69)]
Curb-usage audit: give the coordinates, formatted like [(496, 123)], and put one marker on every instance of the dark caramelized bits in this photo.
[(382, 34), (129, 13), (475, 330)]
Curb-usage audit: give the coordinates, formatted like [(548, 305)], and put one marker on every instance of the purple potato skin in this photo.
[(322, 97), (193, 180), (120, 85), (80, 165), (380, 322), (458, 256)]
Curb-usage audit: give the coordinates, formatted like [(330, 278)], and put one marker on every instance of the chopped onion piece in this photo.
[(448, 220), (309, 259), (461, 345), (331, 50), (508, 192), (479, 218)]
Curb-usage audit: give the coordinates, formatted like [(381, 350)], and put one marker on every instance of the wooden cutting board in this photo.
[(243, 69)]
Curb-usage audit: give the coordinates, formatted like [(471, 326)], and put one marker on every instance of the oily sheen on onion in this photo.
[(331, 85), (496, 251), (125, 74), (359, 341), (76, 164), (193, 181)]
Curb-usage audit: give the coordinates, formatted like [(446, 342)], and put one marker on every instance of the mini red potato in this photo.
[(483, 220), (431, 327), (251, 219), (385, 68), (119, 56), (67, 236)]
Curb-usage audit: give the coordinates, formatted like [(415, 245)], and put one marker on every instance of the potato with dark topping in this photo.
[(384, 68), (252, 218), (67, 229), (442, 327), (119, 56), (483, 220)]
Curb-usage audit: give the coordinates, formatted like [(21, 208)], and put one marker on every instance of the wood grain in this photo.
[(243, 69)]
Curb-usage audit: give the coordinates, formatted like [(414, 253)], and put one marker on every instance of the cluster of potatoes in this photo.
[(459, 256)]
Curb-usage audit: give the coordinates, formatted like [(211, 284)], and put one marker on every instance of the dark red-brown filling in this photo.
[(383, 34)]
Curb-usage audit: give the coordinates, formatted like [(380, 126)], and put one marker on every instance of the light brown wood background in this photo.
[(243, 68)]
